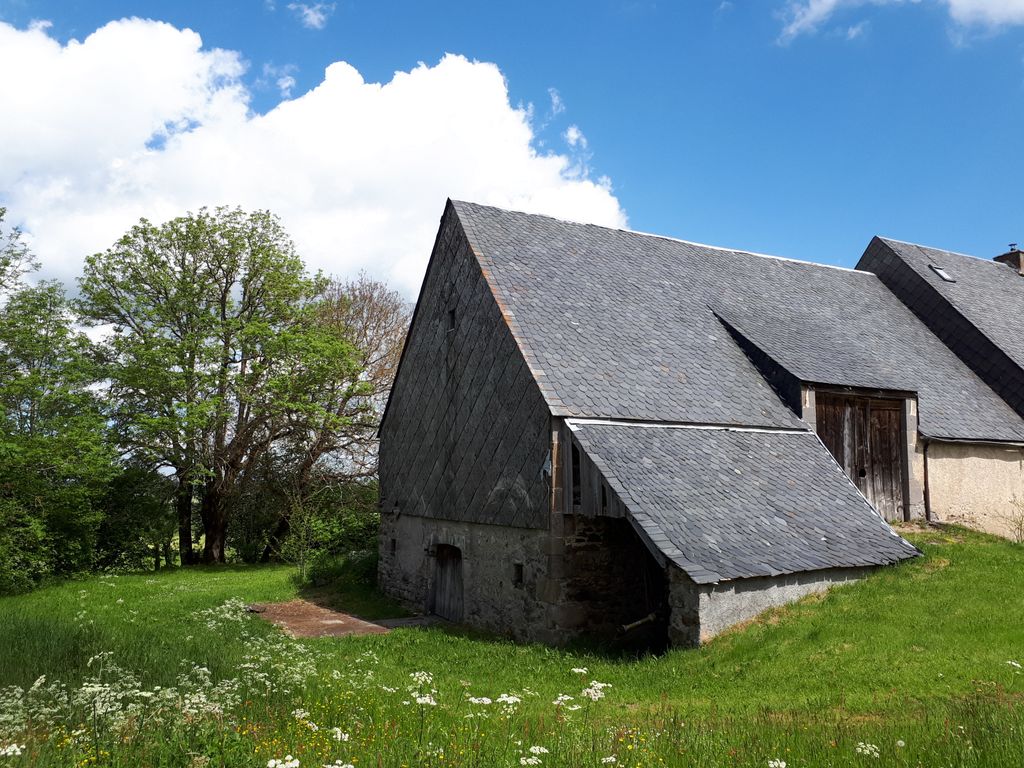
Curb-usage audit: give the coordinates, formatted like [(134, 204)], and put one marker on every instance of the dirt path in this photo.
[(301, 618)]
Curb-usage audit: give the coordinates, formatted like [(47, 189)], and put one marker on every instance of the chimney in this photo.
[(1012, 257)]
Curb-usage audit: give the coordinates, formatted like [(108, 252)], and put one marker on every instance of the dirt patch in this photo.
[(301, 618)]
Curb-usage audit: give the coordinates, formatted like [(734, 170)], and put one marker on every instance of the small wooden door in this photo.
[(448, 583), (864, 435)]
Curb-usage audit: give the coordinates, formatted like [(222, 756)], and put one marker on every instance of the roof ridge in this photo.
[(641, 233), (982, 259)]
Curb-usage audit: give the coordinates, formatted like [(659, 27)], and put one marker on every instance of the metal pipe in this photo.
[(648, 619)]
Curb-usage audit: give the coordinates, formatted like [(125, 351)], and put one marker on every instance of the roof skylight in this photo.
[(942, 273)]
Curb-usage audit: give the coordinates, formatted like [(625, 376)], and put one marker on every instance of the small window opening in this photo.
[(942, 273), (451, 320), (517, 575), (577, 496), (394, 546)]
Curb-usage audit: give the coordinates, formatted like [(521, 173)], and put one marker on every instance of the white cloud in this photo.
[(312, 16), (808, 16), (557, 105), (856, 30), (574, 137), (357, 171), (281, 77), (990, 13)]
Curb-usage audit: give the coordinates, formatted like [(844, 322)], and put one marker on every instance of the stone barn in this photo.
[(596, 432)]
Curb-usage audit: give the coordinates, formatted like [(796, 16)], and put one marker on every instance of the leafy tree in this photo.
[(138, 521), (54, 456), (337, 445), (15, 257), (215, 353)]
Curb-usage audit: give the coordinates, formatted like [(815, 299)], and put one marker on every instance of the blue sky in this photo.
[(794, 128)]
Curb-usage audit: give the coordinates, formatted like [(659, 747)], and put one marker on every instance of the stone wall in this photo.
[(609, 579), (492, 598), (701, 611), (973, 484)]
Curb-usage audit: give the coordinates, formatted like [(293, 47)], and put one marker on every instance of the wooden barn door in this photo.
[(864, 435), (448, 583)]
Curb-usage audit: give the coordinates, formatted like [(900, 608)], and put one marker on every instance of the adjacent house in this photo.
[(602, 432), (974, 306)]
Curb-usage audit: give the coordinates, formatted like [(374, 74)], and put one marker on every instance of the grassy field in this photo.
[(916, 666)]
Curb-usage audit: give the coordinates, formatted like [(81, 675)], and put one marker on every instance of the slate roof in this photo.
[(726, 504), (622, 325), (989, 294)]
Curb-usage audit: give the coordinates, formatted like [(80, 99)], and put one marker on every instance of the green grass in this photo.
[(916, 653)]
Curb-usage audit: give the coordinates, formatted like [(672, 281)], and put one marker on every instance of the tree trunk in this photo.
[(274, 544), (167, 553), (156, 556), (213, 510), (183, 502)]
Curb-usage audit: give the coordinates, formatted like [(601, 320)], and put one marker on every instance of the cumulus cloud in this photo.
[(357, 171), (802, 17), (313, 16)]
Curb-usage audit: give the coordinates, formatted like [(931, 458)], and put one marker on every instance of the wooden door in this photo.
[(864, 436), (448, 583)]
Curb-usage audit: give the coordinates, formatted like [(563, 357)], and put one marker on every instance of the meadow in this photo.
[(919, 665)]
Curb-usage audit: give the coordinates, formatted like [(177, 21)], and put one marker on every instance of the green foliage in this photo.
[(138, 520), (56, 459), (903, 663), (215, 353)]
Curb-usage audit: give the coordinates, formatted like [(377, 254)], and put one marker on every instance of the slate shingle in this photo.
[(622, 325), (727, 504)]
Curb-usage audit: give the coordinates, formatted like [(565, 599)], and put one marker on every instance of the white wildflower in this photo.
[(539, 750), (529, 760), (508, 698), (480, 700), (12, 750), (562, 699), (426, 700), (300, 714), (609, 760), (776, 763), (901, 743), (868, 750), (288, 762), (596, 690), (1014, 664), (422, 678), (338, 735), (579, 670)]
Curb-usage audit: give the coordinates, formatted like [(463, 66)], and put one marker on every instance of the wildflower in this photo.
[(338, 735), (595, 691), (529, 760), (338, 764), (479, 700), (1014, 664), (868, 750), (539, 750), (12, 750), (426, 700), (776, 763), (609, 760), (579, 670), (288, 762), (901, 743), (561, 699), (508, 698), (422, 678), (300, 714)]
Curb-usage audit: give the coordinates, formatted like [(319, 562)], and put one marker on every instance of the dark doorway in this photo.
[(865, 436), (447, 598)]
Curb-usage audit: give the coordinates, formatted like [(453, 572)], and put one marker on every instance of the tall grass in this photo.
[(917, 664)]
